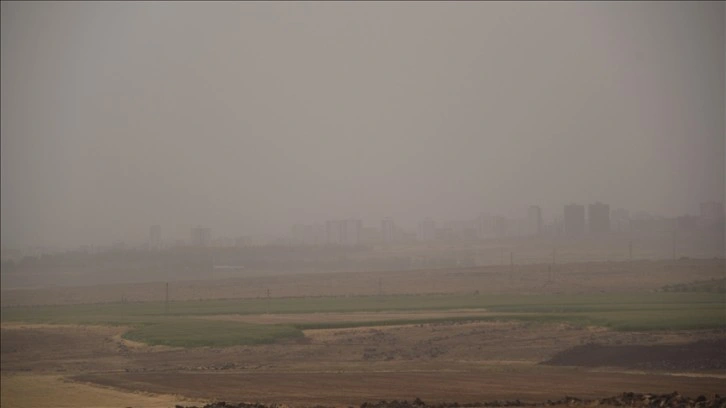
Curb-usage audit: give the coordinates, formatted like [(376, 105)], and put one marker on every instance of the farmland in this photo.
[(180, 326), (428, 334)]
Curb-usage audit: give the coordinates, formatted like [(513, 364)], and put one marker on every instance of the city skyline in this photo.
[(319, 232), (399, 116)]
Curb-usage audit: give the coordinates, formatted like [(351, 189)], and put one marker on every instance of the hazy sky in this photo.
[(249, 117)]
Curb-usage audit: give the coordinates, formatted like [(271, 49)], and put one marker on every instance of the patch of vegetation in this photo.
[(198, 333)]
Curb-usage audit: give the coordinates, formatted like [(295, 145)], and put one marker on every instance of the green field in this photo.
[(150, 324), (195, 332)]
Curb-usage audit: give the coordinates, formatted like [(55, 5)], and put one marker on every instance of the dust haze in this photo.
[(340, 204), (248, 118)]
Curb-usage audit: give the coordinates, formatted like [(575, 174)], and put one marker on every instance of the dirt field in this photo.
[(701, 355), (353, 388), (464, 362), (54, 391)]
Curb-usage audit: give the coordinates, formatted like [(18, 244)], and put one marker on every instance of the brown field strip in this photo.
[(351, 388)]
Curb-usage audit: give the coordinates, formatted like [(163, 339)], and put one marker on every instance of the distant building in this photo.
[(201, 236), (155, 237), (343, 232), (574, 219), (598, 217), (388, 230), (426, 230), (534, 220)]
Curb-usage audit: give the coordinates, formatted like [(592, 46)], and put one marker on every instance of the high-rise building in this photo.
[(201, 236), (534, 220), (388, 230), (155, 237), (598, 216), (426, 230), (574, 219), (343, 232)]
